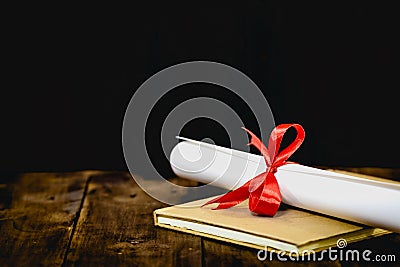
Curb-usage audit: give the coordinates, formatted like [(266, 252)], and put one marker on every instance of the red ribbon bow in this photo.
[(263, 190)]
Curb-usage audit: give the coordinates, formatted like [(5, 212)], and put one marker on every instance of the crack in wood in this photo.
[(76, 219)]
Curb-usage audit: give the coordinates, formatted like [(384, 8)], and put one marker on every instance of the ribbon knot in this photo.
[(263, 190)]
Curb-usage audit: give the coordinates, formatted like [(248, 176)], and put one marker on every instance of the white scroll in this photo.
[(374, 202)]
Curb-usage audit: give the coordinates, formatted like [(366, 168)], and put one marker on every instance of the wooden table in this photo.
[(99, 218)]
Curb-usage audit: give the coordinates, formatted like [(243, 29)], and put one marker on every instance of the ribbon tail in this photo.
[(255, 141), (232, 198)]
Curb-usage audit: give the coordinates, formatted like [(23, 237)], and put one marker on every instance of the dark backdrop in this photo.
[(72, 71)]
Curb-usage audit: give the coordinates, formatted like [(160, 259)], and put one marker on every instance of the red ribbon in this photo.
[(263, 190)]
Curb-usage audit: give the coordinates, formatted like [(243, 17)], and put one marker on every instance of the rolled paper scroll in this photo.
[(374, 202)]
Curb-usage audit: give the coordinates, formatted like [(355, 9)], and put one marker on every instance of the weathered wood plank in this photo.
[(37, 216), (116, 227), (228, 255), (113, 225)]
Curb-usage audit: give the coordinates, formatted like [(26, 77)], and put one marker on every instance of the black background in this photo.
[(71, 71)]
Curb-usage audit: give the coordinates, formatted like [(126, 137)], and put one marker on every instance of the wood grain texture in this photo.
[(37, 217), (98, 218), (116, 227)]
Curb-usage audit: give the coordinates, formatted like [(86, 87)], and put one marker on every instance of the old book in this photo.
[(291, 229)]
